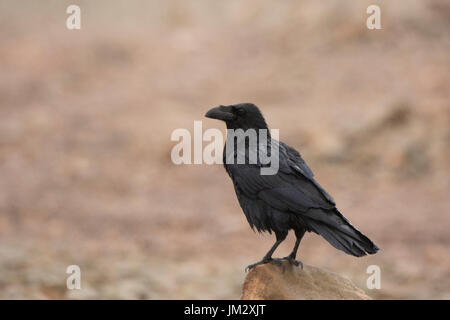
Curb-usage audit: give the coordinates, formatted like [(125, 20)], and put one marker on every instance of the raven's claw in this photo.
[(263, 261), (294, 262)]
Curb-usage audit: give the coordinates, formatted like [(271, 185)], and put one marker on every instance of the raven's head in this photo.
[(239, 116)]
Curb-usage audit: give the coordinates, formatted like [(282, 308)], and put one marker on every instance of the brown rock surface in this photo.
[(287, 282)]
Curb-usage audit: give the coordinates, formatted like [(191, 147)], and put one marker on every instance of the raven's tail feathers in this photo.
[(338, 231)]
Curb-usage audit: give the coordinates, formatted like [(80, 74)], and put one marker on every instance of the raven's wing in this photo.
[(296, 163), (293, 190)]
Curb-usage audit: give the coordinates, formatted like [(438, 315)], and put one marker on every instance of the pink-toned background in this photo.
[(86, 118)]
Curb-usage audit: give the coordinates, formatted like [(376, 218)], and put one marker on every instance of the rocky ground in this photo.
[(86, 118), (282, 280)]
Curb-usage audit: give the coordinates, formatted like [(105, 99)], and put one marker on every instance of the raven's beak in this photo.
[(221, 113)]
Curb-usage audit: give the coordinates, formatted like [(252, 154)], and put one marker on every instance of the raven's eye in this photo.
[(240, 112)]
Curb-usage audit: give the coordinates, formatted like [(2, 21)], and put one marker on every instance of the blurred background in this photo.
[(86, 117)]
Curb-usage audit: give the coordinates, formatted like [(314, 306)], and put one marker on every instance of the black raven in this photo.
[(289, 199)]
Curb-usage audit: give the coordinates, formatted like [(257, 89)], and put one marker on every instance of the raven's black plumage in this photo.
[(290, 199)]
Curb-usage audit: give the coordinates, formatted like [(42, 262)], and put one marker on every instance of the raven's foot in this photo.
[(263, 261), (293, 261)]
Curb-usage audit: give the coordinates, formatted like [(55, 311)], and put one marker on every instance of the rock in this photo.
[(287, 282)]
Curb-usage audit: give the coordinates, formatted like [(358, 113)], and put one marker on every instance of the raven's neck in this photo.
[(257, 127)]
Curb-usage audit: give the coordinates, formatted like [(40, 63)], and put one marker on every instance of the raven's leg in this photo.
[(291, 257), (268, 257)]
